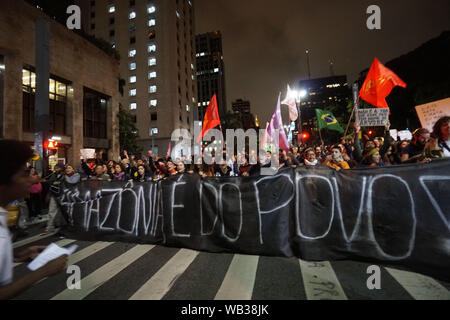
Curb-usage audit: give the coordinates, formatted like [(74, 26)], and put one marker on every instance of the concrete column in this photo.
[(75, 122), (13, 98), (113, 128)]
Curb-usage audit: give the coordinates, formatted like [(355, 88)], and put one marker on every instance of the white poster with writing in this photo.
[(373, 117), (431, 112)]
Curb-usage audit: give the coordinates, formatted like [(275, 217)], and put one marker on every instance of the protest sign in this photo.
[(405, 135), (87, 153), (373, 117), (431, 112)]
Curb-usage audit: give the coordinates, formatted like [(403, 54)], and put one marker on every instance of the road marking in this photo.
[(88, 251), (163, 280), (61, 243), (240, 279), (320, 281), (420, 287), (103, 274), (33, 239)]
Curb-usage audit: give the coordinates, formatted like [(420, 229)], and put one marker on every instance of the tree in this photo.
[(128, 132)]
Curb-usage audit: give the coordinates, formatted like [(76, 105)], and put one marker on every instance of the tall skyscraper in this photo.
[(210, 72), (242, 108), (321, 94), (155, 40)]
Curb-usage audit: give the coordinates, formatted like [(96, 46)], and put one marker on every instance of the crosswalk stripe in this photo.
[(34, 239), (320, 281), (88, 251), (61, 243), (419, 286), (103, 274), (158, 285), (240, 279)]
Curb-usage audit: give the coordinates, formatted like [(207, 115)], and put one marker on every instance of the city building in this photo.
[(210, 72), (155, 40), (83, 86), (322, 93), (242, 108)]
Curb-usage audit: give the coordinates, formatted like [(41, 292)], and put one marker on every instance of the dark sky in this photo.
[(264, 41)]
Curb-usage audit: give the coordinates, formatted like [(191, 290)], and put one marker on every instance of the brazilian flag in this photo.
[(326, 120)]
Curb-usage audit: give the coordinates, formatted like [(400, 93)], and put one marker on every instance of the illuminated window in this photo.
[(153, 103), (187, 108), (152, 61), (132, 53), (133, 79), (132, 15), (111, 9), (152, 75), (152, 89), (152, 47), (132, 92), (151, 9), (151, 22), (133, 66), (153, 131), (133, 106)]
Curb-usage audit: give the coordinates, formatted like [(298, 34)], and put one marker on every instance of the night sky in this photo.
[(264, 41)]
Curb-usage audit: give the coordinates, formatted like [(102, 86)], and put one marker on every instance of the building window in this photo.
[(133, 106), (153, 131), (152, 89), (151, 22), (187, 108), (151, 9), (112, 33), (132, 40), (151, 48), (133, 79), (154, 117), (132, 3), (151, 35), (111, 9), (57, 103), (133, 66), (132, 53), (132, 15), (93, 26), (95, 114), (132, 27), (132, 92), (152, 75), (152, 61), (153, 103), (112, 20)]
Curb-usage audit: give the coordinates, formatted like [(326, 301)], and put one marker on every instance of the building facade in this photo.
[(155, 40), (83, 86), (210, 72), (242, 109), (321, 93)]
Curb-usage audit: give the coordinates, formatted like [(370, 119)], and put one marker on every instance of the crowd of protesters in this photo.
[(359, 152)]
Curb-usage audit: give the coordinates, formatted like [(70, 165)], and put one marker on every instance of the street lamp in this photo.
[(299, 94)]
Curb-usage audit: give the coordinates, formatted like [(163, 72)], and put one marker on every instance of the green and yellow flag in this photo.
[(326, 120)]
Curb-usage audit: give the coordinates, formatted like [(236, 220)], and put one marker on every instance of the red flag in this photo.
[(378, 85), (212, 119)]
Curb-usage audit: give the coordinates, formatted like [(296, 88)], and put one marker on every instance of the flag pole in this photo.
[(320, 135), (356, 97)]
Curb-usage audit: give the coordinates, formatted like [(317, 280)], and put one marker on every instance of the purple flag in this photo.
[(276, 123)]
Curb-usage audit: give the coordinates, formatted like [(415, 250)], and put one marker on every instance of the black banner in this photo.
[(393, 215)]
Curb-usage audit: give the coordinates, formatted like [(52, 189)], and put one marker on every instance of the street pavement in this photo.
[(123, 271)]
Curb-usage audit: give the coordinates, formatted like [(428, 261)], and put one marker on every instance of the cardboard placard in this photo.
[(431, 112), (373, 117)]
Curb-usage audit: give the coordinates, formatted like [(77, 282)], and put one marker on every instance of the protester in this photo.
[(414, 152), (100, 174), (372, 158), (54, 182), (15, 182), (439, 144), (336, 161), (119, 173), (34, 201), (310, 158), (141, 174)]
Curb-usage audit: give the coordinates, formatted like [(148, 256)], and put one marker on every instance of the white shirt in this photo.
[(6, 250), (446, 152)]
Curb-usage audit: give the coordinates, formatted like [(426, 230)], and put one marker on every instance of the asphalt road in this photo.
[(122, 271)]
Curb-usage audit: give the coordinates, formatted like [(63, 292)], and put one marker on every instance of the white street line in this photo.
[(320, 281), (240, 279), (162, 281)]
